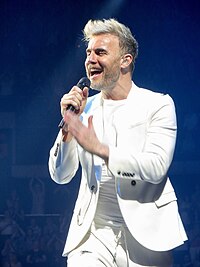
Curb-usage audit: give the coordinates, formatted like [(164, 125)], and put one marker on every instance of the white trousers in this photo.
[(106, 247)]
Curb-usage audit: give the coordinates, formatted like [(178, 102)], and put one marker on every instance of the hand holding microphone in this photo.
[(74, 97)]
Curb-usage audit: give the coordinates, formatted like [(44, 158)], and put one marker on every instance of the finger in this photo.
[(65, 106), (73, 99), (85, 92), (76, 89), (90, 122), (74, 124), (69, 115)]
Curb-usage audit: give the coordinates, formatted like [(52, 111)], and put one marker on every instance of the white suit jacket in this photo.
[(146, 135)]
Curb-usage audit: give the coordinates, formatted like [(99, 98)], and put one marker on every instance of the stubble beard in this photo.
[(107, 82)]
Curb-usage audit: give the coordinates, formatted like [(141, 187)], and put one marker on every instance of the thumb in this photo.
[(84, 99), (85, 92), (90, 122)]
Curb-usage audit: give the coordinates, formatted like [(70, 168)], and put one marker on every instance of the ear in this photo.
[(126, 60)]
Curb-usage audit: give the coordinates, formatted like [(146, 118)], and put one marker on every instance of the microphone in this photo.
[(83, 82)]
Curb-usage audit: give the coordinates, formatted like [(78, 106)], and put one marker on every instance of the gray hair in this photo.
[(127, 42)]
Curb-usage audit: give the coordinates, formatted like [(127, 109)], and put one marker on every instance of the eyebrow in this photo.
[(97, 50)]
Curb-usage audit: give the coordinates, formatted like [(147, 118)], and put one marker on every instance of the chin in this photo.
[(95, 88), (96, 85)]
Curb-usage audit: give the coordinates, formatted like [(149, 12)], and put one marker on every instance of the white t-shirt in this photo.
[(108, 211)]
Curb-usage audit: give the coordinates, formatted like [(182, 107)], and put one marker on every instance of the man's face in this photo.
[(103, 61)]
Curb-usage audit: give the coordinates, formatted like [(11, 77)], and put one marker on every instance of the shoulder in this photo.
[(149, 97)]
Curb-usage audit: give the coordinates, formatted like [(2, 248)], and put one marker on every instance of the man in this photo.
[(124, 137)]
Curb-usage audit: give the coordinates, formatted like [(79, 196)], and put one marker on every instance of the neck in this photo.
[(119, 92)]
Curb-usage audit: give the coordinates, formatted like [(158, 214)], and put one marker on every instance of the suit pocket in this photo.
[(165, 199)]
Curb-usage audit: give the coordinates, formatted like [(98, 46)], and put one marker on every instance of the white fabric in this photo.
[(139, 161), (115, 247), (108, 207)]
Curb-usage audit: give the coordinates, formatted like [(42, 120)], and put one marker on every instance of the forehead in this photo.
[(104, 41)]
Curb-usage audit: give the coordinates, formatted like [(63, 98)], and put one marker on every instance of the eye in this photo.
[(88, 52), (101, 52)]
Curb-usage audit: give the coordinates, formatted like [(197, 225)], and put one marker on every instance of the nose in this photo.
[(91, 58)]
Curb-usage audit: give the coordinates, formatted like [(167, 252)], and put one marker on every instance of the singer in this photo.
[(126, 213)]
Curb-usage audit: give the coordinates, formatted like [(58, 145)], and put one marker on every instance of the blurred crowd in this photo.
[(37, 238), (34, 238), (188, 255)]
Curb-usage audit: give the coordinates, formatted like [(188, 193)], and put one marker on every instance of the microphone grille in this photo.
[(83, 82)]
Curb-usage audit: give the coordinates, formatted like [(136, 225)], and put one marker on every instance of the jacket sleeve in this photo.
[(63, 160), (146, 153)]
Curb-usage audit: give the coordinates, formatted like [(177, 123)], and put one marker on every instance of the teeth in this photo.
[(95, 71)]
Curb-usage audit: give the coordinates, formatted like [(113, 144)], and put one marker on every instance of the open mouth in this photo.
[(95, 72)]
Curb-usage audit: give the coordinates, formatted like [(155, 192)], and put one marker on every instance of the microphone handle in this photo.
[(62, 122), (83, 82)]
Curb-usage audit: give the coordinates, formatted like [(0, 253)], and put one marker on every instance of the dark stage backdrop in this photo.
[(42, 56)]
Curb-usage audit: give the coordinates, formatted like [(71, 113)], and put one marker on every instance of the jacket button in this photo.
[(56, 151), (133, 182), (92, 187)]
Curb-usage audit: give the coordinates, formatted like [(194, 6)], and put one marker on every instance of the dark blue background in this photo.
[(42, 56)]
